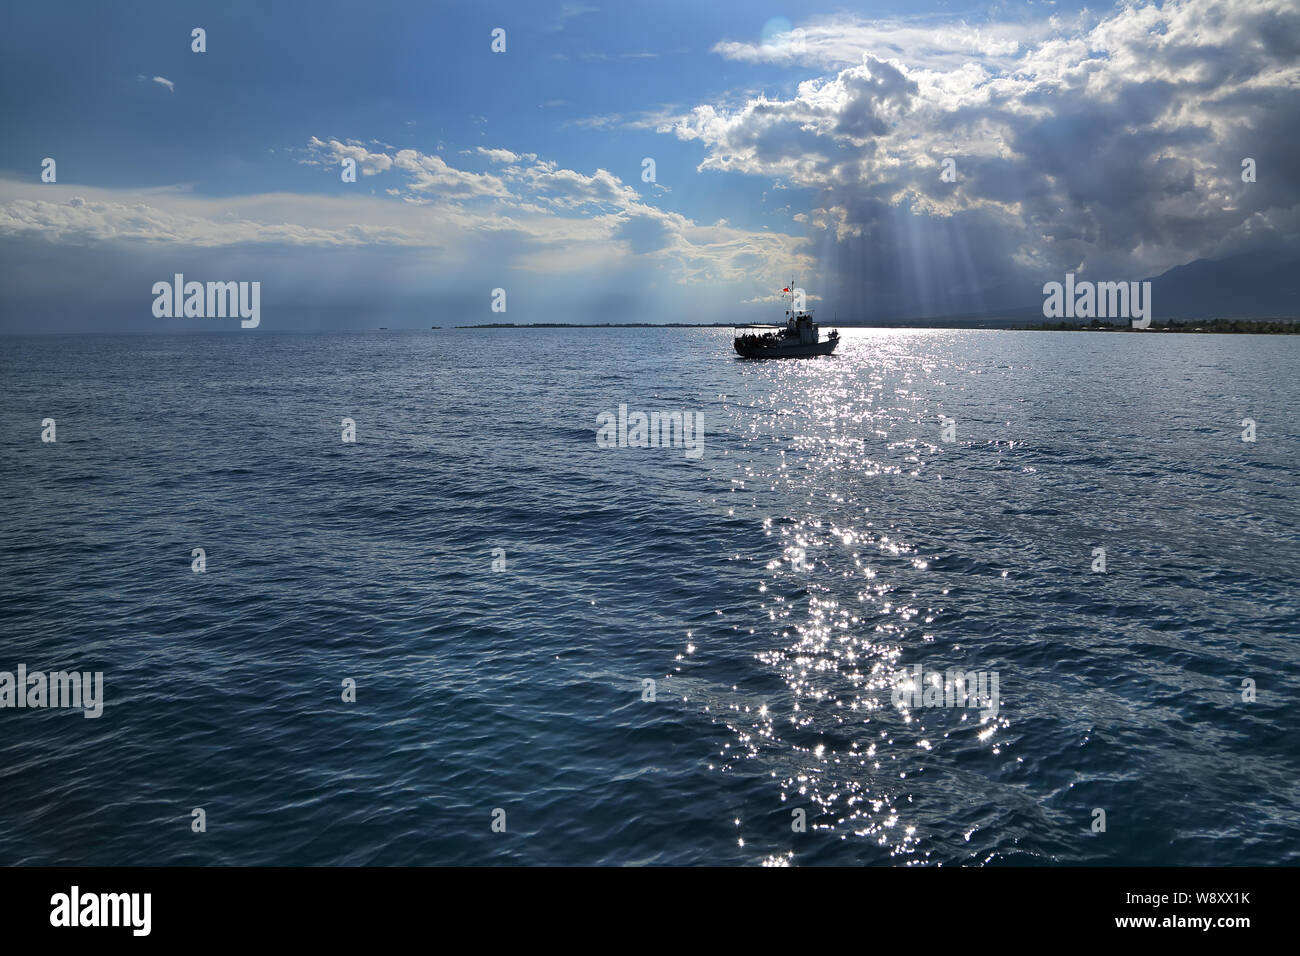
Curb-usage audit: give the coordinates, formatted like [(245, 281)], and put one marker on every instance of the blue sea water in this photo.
[(777, 589)]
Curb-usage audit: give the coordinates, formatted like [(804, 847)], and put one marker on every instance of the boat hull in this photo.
[(752, 350)]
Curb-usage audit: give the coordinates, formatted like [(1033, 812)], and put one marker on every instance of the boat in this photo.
[(799, 337)]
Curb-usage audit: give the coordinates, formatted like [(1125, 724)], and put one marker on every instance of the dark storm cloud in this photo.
[(1112, 148)]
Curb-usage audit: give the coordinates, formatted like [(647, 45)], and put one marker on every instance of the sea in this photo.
[(386, 598)]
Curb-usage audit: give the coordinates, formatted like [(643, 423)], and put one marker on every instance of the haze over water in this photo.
[(522, 690)]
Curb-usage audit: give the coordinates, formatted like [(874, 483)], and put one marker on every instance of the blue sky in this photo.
[(786, 137)]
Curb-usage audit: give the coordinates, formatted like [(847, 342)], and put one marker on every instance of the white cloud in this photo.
[(1112, 141), (82, 215), (548, 218), (503, 155), (369, 163), (841, 40), (431, 173), (569, 216)]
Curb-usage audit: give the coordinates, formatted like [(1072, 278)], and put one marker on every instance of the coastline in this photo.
[(1207, 326)]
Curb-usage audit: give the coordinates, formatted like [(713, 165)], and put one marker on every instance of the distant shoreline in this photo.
[(1204, 326), (605, 325)]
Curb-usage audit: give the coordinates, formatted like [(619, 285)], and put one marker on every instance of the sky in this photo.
[(787, 139)]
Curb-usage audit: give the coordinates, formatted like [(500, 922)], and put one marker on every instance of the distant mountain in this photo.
[(1248, 285), (1251, 285)]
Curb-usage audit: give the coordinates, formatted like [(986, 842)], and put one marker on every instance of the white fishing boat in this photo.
[(798, 338)]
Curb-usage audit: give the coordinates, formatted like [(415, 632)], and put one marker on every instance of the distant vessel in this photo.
[(799, 336)]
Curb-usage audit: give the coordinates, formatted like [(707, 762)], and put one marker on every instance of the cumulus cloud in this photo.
[(540, 216), (1105, 144), (334, 152), (504, 155), (571, 219), (431, 173)]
